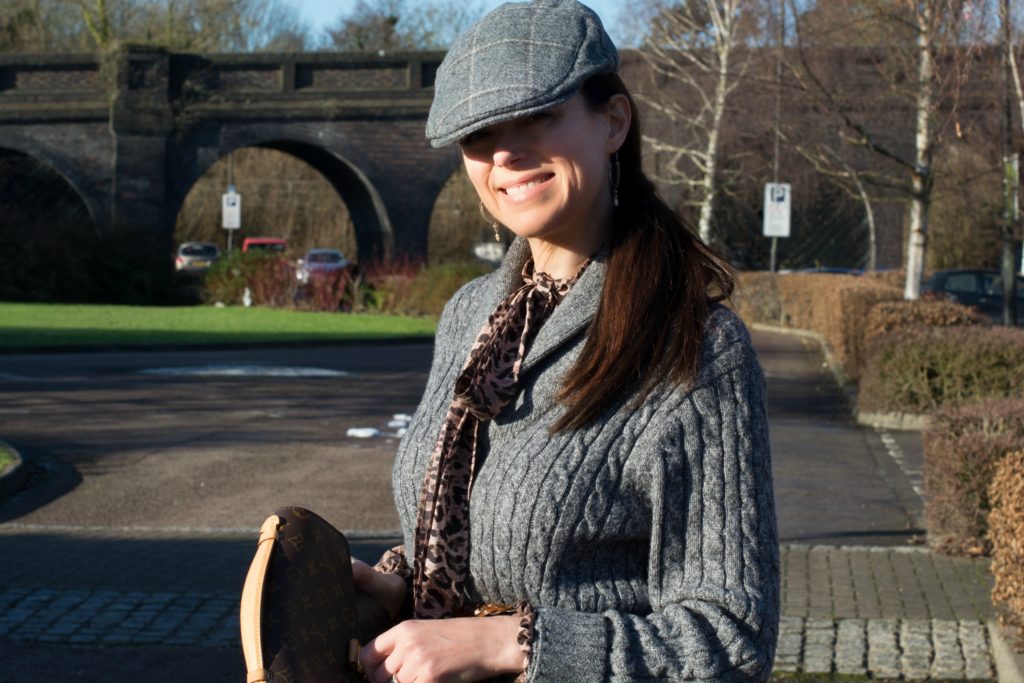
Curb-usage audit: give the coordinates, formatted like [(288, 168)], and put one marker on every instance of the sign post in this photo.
[(231, 212), (776, 214)]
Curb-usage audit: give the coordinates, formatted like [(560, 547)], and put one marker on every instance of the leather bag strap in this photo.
[(252, 602)]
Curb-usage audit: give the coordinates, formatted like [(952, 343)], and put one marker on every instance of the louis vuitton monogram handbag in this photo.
[(302, 619)]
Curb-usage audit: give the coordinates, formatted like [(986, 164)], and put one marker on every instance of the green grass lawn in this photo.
[(55, 325)]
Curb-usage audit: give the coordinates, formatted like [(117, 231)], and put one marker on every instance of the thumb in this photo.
[(362, 573)]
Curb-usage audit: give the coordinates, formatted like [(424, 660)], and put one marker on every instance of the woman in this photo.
[(601, 481)]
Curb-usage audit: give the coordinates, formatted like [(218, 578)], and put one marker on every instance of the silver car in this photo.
[(317, 262), (196, 257)]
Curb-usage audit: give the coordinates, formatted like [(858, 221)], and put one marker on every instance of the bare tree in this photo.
[(694, 47), (921, 68), (185, 25), (831, 163), (402, 25)]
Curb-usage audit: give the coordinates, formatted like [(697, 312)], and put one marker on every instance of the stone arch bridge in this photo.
[(132, 132)]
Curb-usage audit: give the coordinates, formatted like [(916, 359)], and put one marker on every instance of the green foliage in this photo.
[(268, 276), (434, 286), (963, 445), (6, 457), (403, 287), (398, 286), (919, 369)]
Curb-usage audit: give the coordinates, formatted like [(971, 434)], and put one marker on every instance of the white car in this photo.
[(319, 262), (196, 257)]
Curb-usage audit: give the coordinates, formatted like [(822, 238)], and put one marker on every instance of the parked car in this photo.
[(195, 257), (273, 244), (319, 262), (979, 287)]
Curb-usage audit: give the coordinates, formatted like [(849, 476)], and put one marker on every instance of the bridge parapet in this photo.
[(56, 87)]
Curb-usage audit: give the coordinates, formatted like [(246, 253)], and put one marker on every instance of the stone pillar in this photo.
[(141, 123)]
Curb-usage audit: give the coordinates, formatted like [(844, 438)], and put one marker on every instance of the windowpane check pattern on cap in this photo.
[(521, 58)]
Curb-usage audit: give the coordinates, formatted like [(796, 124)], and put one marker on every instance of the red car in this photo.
[(272, 244)]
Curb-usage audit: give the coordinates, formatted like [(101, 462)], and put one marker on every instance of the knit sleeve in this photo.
[(712, 570)]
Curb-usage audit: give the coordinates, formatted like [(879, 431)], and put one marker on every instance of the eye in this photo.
[(537, 117), (474, 138)]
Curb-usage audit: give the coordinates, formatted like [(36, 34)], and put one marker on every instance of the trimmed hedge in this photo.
[(834, 306), (918, 369), (962, 447), (756, 298), (893, 315), (1006, 534)]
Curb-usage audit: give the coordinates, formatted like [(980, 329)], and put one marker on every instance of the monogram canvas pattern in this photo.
[(487, 383), (311, 610)]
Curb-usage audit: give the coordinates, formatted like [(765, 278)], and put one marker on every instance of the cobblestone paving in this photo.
[(912, 649), (830, 582), (107, 617), (880, 612)]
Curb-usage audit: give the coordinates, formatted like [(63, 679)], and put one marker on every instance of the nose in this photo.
[(508, 148)]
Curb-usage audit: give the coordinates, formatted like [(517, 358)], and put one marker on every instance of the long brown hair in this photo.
[(659, 284)]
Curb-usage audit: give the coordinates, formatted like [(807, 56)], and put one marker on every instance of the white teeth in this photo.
[(518, 190)]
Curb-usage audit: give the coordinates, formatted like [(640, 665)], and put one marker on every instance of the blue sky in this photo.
[(321, 13)]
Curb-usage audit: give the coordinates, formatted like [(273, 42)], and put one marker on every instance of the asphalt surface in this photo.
[(150, 483)]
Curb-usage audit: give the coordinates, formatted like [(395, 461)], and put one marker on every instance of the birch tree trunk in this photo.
[(692, 45), (710, 187), (921, 183)]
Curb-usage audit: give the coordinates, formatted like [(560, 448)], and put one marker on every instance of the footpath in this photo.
[(862, 595)]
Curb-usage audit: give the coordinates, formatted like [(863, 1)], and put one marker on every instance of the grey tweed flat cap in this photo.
[(519, 59)]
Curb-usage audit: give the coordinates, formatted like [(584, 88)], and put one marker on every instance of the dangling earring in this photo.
[(492, 220), (614, 176)]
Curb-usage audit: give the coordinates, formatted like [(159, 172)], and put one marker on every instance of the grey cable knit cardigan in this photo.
[(646, 541)]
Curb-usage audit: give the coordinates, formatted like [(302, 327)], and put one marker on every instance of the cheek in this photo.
[(478, 176)]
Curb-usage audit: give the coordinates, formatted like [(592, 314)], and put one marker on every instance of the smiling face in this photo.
[(545, 176)]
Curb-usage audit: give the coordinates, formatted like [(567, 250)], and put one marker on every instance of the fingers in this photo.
[(376, 657)]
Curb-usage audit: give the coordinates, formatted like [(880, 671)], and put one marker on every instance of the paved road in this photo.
[(147, 489)]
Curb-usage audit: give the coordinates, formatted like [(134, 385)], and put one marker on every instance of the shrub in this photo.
[(1006, 534), (889, 316), (918, 369), (887, 278), (404, 287), (962, 446), (756, 299), (269, 278), (338, 290), (834, 306), (434, 286)]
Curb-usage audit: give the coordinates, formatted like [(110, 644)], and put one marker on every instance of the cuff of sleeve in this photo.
[(568, 646)]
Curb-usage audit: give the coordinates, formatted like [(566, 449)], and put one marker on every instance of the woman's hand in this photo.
[(388, 588), (442, 650)]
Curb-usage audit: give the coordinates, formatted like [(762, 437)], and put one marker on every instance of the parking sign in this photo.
[(231, 210), (776, 209)]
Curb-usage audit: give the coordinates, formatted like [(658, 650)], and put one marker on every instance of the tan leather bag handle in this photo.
[(252, 602)]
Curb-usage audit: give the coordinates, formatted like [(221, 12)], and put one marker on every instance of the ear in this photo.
[(620, 115)]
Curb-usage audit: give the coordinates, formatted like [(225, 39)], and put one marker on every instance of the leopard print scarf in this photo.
[(488, 382)]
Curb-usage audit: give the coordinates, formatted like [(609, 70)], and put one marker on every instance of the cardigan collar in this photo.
[(570, 318)]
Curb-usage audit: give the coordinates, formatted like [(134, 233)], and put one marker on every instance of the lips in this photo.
[(525, 188)]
